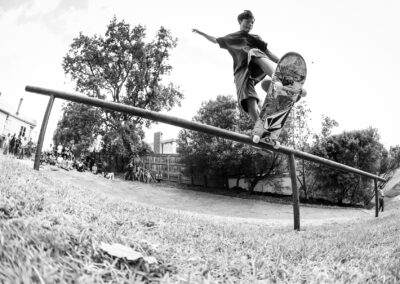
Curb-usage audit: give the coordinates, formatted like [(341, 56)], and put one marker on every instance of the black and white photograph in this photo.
[(199, 141)]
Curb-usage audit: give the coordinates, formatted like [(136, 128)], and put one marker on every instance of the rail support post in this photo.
[(293, 177), (43, 128), (376, 198)]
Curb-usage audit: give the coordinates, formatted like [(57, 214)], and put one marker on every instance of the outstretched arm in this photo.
[(272, 56), (210, 38)]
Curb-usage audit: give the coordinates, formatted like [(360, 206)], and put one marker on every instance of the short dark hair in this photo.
[(246, 14)]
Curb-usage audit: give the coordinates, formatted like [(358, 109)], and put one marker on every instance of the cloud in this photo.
[(7, 5)]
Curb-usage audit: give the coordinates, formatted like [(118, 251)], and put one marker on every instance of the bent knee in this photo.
[(249, 104), (265, 84)]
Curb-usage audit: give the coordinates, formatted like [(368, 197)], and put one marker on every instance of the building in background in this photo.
[(161, 146), (15, 123)]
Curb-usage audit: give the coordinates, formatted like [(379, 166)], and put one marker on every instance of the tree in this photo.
[(207, 154), (360, 149), (327, 125), (394, 152), (121, 67), (389, 163), (80, 123)]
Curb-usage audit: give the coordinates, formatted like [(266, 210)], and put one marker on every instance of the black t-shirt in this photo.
[(238, 45)]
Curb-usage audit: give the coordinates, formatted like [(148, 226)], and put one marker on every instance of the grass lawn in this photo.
[(51, 232)]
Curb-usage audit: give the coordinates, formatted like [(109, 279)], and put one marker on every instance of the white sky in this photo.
[(351, 48)]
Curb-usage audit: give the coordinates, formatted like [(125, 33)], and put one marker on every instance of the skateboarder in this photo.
[(252, 62)]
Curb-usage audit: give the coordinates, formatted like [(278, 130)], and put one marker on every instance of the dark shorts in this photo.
[(246, 79)]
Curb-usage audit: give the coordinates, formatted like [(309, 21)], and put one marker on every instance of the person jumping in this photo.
[(252, 62)]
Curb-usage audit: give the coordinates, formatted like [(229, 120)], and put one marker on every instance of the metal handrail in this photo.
[(196, 126)]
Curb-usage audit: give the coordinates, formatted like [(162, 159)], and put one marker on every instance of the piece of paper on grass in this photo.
[(122, 251)]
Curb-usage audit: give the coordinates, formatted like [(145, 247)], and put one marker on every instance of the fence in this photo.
[(167, 164), (291, 153), (173, 170)]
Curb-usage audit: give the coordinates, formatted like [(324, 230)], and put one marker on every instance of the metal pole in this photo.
[(296, 207), (39, 147), (168, 167), (376, 198)]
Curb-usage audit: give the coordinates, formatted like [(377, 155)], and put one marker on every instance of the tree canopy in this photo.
[(79, 125), (360, 149), (120, 66)]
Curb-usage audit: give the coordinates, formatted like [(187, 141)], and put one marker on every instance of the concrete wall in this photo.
[(161, 146), (3, 118), (168, 147), (157, 143)]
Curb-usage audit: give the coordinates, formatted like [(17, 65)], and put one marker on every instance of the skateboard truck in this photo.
[(273, 142), (265, 137), (267, 140)]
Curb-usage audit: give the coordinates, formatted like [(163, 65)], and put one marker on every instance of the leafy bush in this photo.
[(360, 149)]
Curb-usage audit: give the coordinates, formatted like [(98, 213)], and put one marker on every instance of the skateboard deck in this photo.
[(283, 92)]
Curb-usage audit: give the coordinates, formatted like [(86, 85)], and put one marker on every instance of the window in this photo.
[(22, 131)]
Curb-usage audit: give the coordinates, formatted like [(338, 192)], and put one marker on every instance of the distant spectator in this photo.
[(6, 144), (137, 173), (12, 145), (59, 150), (17, 146), (94, 169), (52, 159), (62, 162), (29, 148), (68, 163), (110, 176), (80, 166), (159, 176), (381, 197), (72, 147), (50, 150), (23, 147), (20, 151), (59, 161), (147, 176), (105, 168), (129, 172), (54, 151), (89, 162)]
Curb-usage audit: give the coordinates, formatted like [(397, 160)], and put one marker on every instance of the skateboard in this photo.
[(284, 90)]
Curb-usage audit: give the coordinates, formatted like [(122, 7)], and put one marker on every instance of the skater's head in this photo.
[(246, 14), (246, 20)]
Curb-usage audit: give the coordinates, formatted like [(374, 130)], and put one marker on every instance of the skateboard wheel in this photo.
[(266, 140), (256, 139), (277, 145)]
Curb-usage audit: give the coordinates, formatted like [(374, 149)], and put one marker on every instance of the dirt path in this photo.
[(206, 204)]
